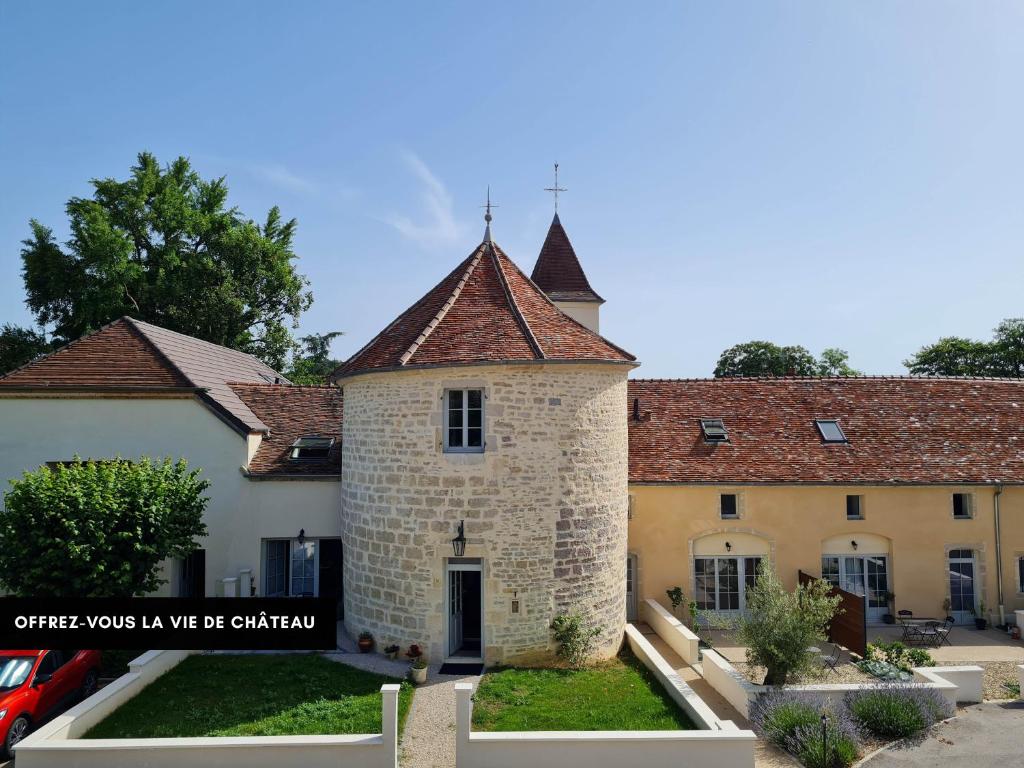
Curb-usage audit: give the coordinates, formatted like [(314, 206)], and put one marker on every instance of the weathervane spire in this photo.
[(556, 189), (487, 215)]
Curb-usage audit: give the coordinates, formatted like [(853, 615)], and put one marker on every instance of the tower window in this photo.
[(714, 431), (728, 505), (830, 431), (464, 421), (311, 448)]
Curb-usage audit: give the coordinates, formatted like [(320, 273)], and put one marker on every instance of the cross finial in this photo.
[(556, 189), (487, 215)]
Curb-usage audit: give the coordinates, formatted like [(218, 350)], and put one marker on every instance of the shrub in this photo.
[(781, 625), (896, 711), (99, 528), (884, 670), (899, 655), (575, 640), (793, 721)]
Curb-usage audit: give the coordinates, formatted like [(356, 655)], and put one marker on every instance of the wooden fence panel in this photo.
[(849, 628)]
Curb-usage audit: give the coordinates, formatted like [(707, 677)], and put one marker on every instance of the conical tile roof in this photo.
[(485, 310), (558, 272)]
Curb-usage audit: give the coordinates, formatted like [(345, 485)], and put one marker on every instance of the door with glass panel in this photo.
[(721, 583), (961, 585), (631, 609), (864, 575)]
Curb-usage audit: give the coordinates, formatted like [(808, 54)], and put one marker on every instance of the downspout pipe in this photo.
[(999, 550)]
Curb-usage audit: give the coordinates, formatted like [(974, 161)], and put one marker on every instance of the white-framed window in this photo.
[(721, 583), (291, 568), (963, 506), (464, 420)]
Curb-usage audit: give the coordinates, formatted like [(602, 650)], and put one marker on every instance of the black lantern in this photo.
[(459, 542), (302, 536), (728, 547), (854, 545)]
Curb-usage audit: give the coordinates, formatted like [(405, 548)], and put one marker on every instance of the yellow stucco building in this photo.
[(889, 487)]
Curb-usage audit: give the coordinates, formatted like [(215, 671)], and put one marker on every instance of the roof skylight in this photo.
[(830, 431), (311, 448), (714, 431)]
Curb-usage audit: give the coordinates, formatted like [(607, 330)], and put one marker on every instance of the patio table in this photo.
[(912, 627)]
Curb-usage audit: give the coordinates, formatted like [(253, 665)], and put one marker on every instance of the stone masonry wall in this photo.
[(545, 505)]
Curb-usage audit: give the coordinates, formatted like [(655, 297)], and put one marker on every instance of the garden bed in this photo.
[(843, 673), (254, 696), (618, 695)]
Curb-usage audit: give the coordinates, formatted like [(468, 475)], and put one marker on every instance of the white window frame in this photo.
[(315, 543), (736, 515), (465, 448), (860, 506), (291, 545)]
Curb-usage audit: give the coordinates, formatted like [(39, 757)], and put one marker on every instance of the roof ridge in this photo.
[(53, 352), (134, 325), (439, 315), (520, 318), (280, 385), (193, 339), (867, 377)]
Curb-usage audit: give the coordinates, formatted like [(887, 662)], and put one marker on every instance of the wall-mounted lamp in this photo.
[(854, 545), (302, 536), (728, 547), (459, 542)]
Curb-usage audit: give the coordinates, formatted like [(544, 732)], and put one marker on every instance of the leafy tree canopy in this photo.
[(779, 626), (956, 356), (98, 529), (163, 247), (314, 363), (763, 358), (19, 346)]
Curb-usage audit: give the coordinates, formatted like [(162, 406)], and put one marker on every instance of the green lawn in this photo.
[(254, 696), (619, 695)]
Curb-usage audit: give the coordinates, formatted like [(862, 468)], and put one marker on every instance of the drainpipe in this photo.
[(999, 551)]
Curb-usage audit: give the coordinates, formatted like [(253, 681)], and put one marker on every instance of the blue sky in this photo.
[(828, 174)]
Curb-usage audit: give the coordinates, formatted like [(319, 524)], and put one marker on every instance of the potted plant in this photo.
[(889, 618), (418, 672), (391, 651), (947, 607), (365, 642), (675, 595), (980, 622)]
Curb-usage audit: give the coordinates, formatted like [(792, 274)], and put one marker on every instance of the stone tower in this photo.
[(559, 274), (486, 406)]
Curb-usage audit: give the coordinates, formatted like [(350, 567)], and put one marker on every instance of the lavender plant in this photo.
[(895, 711), (792, 721)]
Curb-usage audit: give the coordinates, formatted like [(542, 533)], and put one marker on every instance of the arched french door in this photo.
[(725, 566), (962, 593)]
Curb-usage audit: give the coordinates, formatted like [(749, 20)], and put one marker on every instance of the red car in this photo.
[(37, 684)]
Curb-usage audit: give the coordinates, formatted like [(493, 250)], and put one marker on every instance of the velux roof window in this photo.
[(311, 448), (714, 431), (830, 431)]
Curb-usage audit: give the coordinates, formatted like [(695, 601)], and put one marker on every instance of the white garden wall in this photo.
[(676, 636), (595, 749), (683, 695), (58, 744)]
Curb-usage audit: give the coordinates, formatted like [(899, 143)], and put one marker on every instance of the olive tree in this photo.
[(98, 528), (780, 625)]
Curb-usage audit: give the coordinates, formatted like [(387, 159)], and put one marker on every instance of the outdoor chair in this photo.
[(929, 634), (943, 632), (831, 660)]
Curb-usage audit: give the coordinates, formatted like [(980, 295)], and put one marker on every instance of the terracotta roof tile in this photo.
[(131, 354), (558, 272), (293, 412), (486, 310), (905, 430)]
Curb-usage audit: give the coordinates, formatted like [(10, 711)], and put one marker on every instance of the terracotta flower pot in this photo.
[(365, 644)]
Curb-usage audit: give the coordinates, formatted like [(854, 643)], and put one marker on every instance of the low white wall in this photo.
[(58, 744), (961, 685), (595, 749), (730, 684), (1020, 619), (676, 636), (682, 694), (1020, 679)]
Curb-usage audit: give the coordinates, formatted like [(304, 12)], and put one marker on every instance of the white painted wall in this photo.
[(676, 636), (58, 744), (586, 313), (241, 512)]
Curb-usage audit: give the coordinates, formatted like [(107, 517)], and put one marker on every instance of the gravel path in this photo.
[(843, 673), (429, 738), (997, 673)]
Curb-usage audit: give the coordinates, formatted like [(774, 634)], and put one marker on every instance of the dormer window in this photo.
[(714, 431), (830, 431), (311, 448)]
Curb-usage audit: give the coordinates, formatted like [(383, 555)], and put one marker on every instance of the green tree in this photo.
[(763, 358), (779, 626), (957, 356), (19, 346), (98, 529), (315, 364), (163, 247)]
